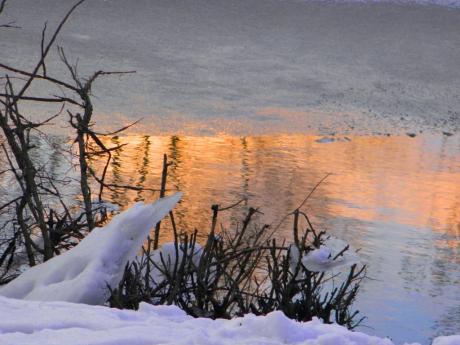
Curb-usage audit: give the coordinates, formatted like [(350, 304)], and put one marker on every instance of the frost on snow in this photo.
[(82, 274)]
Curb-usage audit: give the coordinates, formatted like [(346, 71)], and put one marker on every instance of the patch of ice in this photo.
[(80, 37), (326, 140)]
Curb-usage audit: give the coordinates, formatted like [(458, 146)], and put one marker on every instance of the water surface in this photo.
[(397, 198)]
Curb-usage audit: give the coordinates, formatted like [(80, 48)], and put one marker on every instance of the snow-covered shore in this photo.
[(62, 323)]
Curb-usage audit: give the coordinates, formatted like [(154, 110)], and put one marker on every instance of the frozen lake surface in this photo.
[(259, 66)]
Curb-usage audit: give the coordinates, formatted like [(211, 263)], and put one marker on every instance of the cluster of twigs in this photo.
[(242, 270), (36, 221)]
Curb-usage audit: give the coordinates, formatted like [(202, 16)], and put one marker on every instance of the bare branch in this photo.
[(48, 78), (313, 190), (2, 5), (42, 47), (10, 25), (119, 130), (233, 205), (40, 99), (46, 51), (301, 204)]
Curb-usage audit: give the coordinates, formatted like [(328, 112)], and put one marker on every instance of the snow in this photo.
[(452, 340), (322, 258), (164, 259), (56, 323), (33, 323), (82, 274)]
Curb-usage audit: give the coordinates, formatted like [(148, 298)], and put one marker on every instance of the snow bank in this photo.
[(57, 323), (81, 275), (38, 323)]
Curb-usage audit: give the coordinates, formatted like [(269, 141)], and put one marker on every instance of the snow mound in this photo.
[(167, 259), (330, 256), (57, 323), (325, 258), (82, 274)]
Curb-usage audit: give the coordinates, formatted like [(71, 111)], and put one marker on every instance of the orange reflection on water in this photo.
[(410, 181)]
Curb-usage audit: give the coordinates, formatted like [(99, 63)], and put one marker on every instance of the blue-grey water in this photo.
[(261, 98)]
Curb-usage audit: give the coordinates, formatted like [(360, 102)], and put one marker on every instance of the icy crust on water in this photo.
[(447, 3), (57, 323), (83, 274)]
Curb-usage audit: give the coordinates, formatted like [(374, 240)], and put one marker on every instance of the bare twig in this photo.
[(45, 52), (2, 5), (164, 176)]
